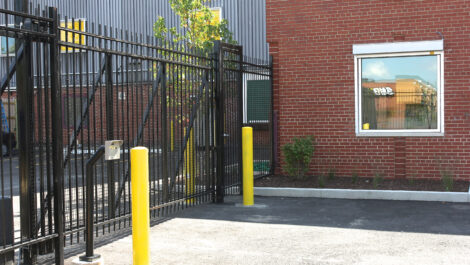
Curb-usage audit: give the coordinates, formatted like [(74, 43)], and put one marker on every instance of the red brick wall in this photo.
[(311, 42)]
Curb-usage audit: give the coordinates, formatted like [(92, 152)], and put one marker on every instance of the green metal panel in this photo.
[(258, 100)]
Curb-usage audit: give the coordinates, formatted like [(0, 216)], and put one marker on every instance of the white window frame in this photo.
[(382, 50)]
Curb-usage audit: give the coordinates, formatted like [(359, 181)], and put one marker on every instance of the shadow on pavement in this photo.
[(381, 215)]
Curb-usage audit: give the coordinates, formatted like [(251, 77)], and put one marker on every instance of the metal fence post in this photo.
[(240, 117), (24, 74), (272, 122), (110, 132), (164, 133), (57, 144), (219, 116), (90, 256)]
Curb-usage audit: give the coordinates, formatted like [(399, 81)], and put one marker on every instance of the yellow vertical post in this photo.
[(247, 152), (172, 136), (140, 205), (190, 169)]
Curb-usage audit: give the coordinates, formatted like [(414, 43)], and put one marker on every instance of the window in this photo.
[(399, 89)]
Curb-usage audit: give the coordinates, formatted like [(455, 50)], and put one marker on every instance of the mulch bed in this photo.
[(360, 183)]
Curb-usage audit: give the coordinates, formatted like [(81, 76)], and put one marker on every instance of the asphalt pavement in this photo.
[(307, 231)]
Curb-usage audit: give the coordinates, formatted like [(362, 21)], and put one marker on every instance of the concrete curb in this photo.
[(402, 195)]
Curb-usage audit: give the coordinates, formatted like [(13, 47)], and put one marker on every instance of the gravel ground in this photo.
[(308, 231)]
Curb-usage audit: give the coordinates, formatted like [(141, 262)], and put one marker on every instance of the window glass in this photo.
[(399, 93)]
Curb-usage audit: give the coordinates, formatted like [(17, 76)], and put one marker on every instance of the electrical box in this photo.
[(112, 149)]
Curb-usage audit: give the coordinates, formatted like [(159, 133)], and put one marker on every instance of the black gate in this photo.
[(71, 90), (31, 216), (229, 118)]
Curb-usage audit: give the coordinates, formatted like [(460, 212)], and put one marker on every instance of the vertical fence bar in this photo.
[(57, 149), (272, 121), (219, 72), (25, 133), (110, 132), (240, 116), (207, 132), (89, 254), (164, 133)]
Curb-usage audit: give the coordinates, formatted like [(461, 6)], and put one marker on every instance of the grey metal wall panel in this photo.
[(247, 19), (119, 18)]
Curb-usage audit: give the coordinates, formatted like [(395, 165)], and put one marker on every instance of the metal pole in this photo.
[(272, 127), (164, 133), (140, 205), (220, 182), (57, 144), (25, 133), (190, 167), (247, 147), (110, 133), (207, 133), (89, 255), (240, 118)]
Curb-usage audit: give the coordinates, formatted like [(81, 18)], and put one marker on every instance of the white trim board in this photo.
[(392, 47), (402, 195)]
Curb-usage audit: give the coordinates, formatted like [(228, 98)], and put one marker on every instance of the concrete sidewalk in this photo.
[(308, 231)]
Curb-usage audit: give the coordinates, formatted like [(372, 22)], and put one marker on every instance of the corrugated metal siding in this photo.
[(247, 19)]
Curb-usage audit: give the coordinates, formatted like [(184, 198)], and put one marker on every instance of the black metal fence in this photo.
[(258, 112), (76, 91), (30, 175)]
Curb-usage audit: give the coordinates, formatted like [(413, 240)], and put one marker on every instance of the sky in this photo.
[(386, 69)]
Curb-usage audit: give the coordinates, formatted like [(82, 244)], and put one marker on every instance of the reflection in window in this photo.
[(399, 92)]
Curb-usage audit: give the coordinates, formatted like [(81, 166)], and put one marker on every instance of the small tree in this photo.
[(298, 155), (200, 27), (199, 24)]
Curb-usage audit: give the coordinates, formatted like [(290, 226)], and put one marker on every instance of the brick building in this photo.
[(382, 85)]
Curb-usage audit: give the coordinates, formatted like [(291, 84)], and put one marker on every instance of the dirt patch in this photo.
[(360, 183)]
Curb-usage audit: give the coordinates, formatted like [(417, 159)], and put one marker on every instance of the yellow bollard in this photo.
[(140, 205), (189, 164), (247, 151)]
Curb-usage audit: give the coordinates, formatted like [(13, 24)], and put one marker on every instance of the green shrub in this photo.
[(321, 181), (447, 180), (298, 155), (411, 179), (377, 180), (355, 177), (331, 173)]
